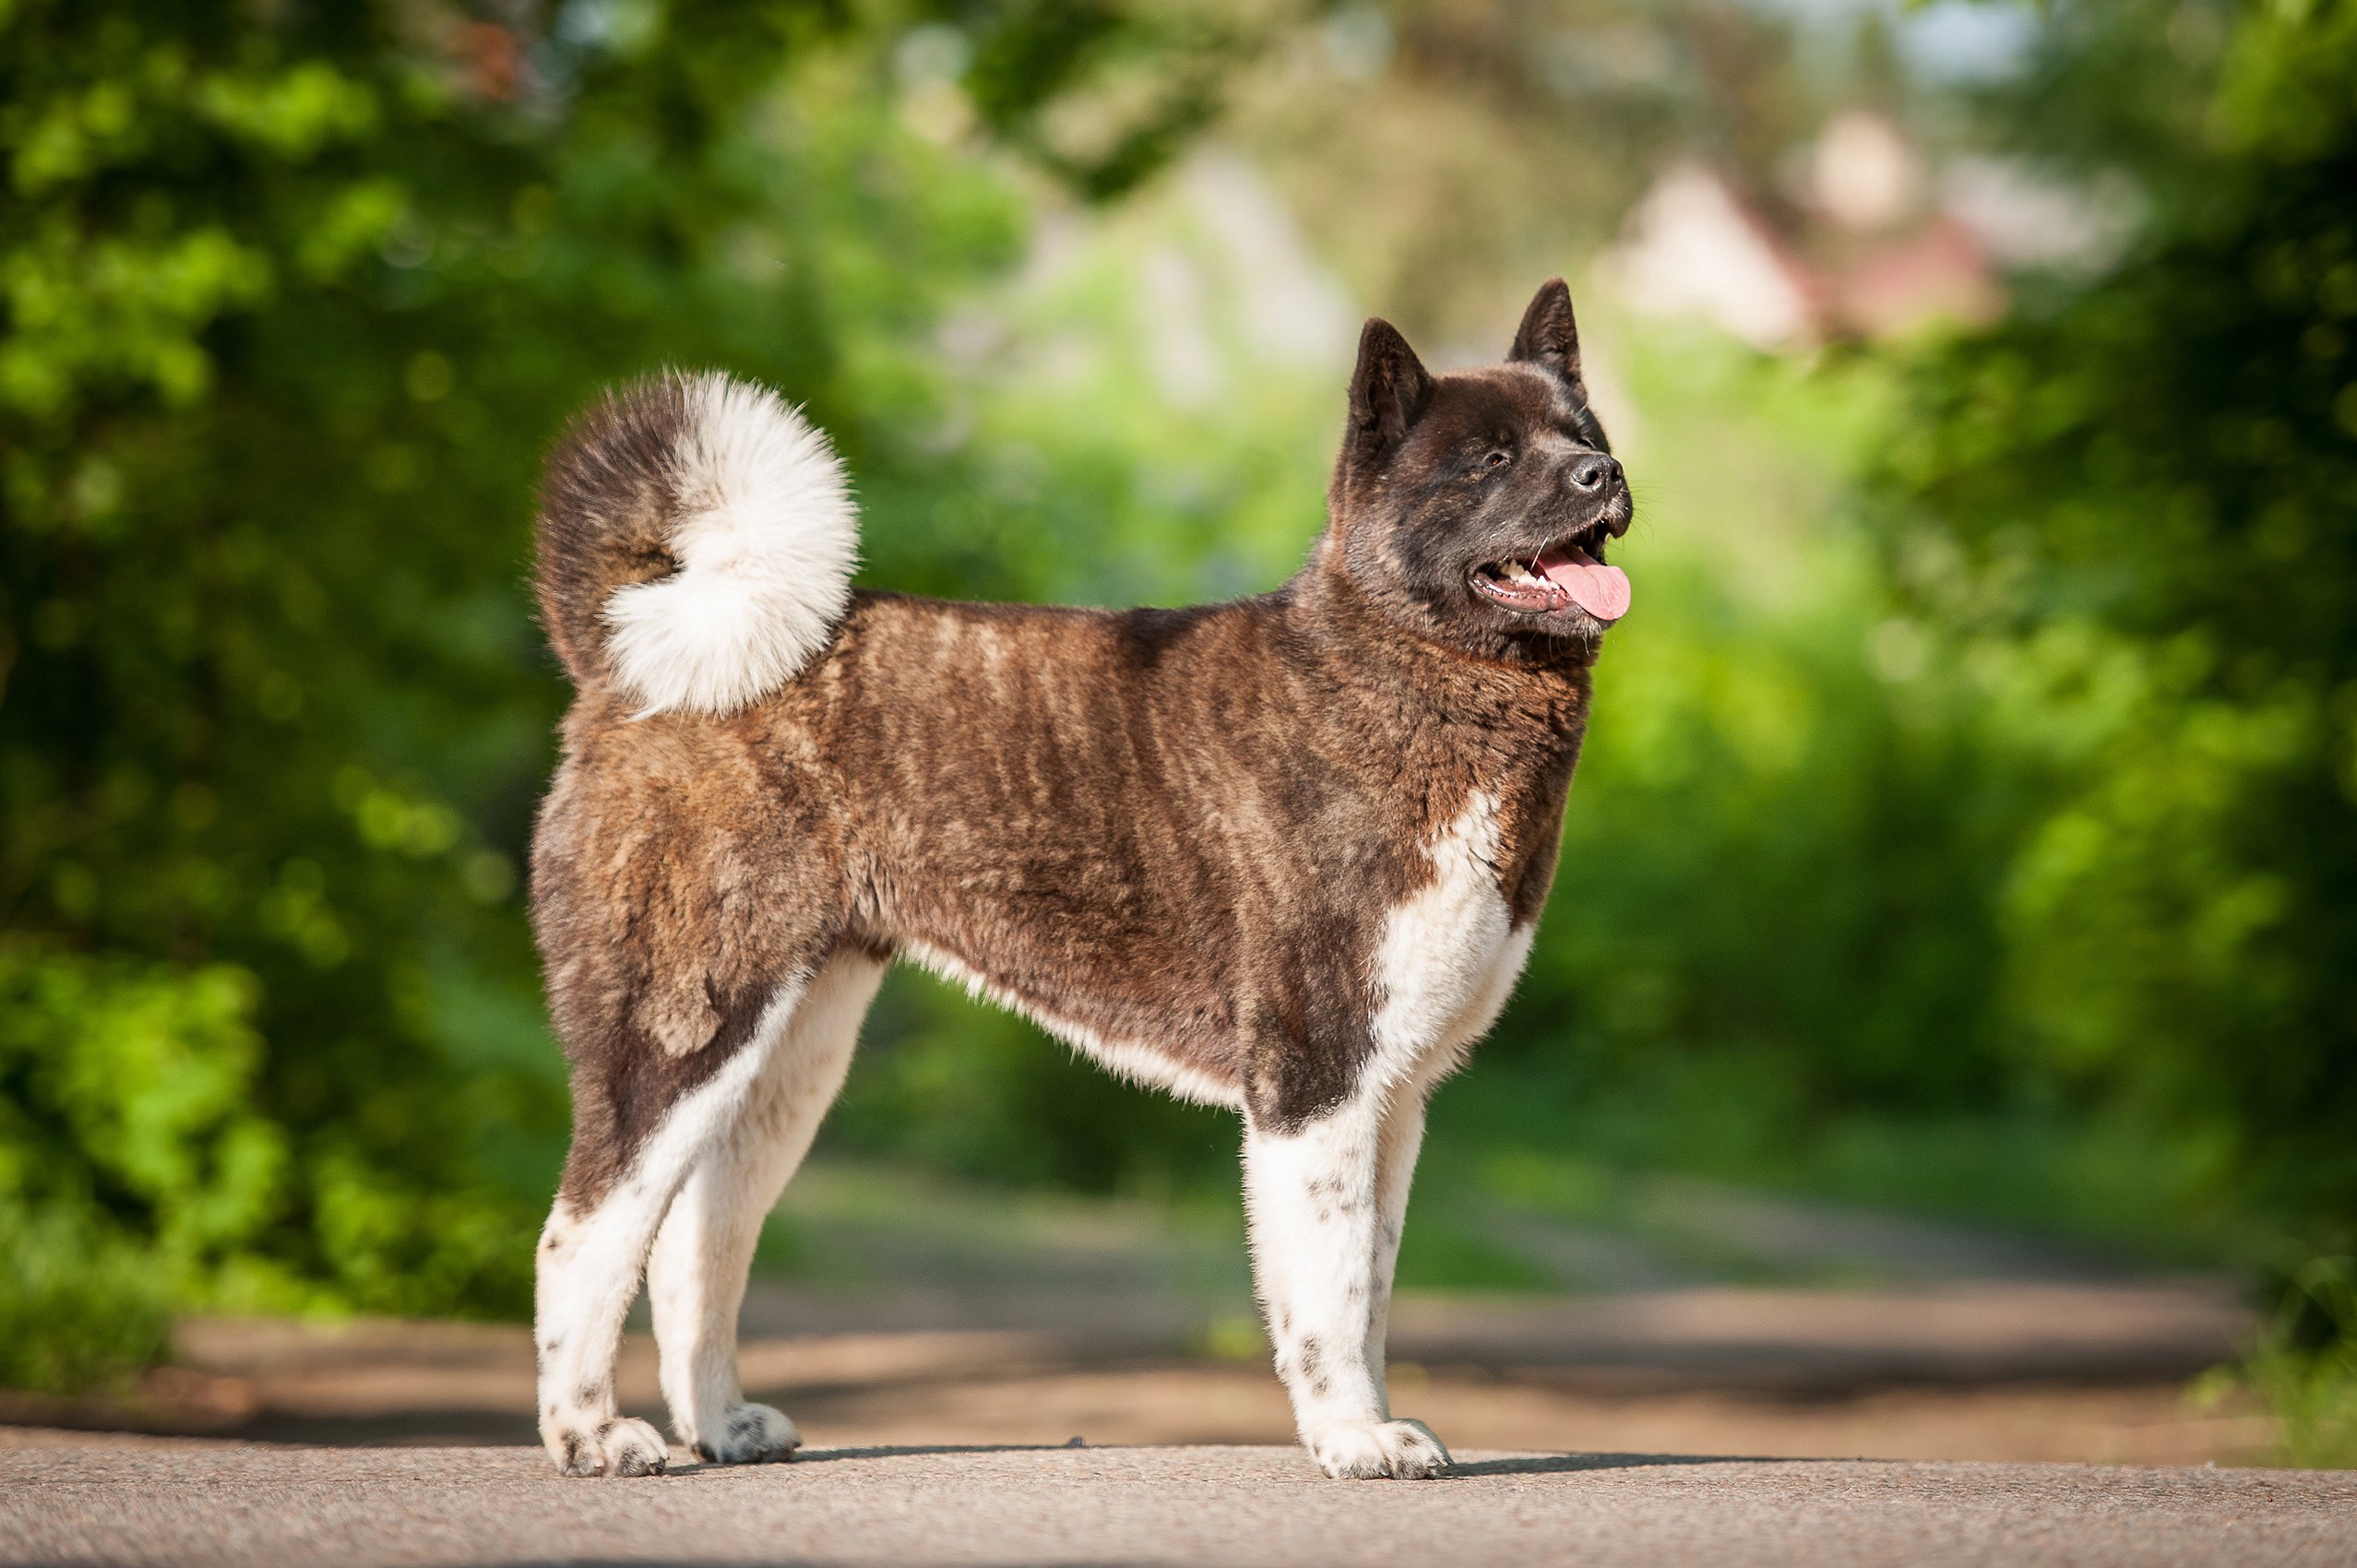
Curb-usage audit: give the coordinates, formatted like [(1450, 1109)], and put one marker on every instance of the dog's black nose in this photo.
[(1594, 472)]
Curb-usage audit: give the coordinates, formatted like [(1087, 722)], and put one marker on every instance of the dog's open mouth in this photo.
[(1567, 574)]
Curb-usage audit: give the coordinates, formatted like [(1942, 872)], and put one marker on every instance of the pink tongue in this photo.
[(1601, 591)]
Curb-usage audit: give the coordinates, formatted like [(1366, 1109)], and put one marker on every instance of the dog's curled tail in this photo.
[(696, 543)]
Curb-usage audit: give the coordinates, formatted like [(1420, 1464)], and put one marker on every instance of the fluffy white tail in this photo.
[(697, 543)]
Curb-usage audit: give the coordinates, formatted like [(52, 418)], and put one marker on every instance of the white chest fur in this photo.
[(1449, 955)]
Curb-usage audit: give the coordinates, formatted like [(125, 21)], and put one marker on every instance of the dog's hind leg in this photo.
[(695, 1275), (636, 1138)]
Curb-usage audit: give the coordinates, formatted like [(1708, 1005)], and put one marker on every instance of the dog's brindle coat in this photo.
[(1284, 855)]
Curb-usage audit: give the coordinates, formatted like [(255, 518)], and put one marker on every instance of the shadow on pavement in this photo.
[(1557, 1464), (896, 1451)]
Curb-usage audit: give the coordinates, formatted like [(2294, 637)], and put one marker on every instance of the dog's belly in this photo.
[(1148, 1056), (1132, 963)]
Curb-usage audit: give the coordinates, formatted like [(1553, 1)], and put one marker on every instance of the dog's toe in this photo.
[(1359, 1451), (750, 1434), (621, 1447)]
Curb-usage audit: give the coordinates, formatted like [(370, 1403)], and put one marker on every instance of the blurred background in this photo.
[(1943, 1035)]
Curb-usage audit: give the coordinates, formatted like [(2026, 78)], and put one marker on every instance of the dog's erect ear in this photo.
[(1548, 337), (1388, 389)]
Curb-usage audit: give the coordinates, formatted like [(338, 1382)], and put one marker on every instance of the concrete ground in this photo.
[(184, 1502)]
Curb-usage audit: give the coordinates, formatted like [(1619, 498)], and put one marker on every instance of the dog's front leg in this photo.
[(1397, 1147), (590, 1262), (1313, 1197)]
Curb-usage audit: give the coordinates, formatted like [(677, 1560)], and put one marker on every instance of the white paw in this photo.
[(618, 1447), (1359, 1451), (749, 1434)]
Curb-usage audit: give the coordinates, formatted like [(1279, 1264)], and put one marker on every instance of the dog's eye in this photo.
[(1496, 461)]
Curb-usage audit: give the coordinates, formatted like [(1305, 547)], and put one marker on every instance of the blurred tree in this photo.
[(2135, 515), (1448, 152), (290, 297)]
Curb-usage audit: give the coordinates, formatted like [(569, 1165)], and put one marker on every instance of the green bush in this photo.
[(129, 1087), (80, 1306), (1979, 837), (2129, 523), (2306, 1368), (124, 1118), (290, 299)]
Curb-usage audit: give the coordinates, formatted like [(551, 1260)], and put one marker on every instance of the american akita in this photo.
[(1283, 855)]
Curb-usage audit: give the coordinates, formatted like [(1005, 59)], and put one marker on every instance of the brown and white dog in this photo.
[(1283, 855)]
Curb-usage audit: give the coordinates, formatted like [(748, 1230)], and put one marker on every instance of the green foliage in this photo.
[(1983, 845), (1154, 76), (129, 1090), (1764, 859), (2132, 519), (79, 1304), (293, 296), (123, 1111), (2132, 523), (1436, 1255), (962, 1087), (2306, 1368)]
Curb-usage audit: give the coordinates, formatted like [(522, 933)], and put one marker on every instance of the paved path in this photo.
[(2120, 1351), (224, 1504)]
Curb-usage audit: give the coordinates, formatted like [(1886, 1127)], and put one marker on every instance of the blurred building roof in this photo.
[(1862, 243)]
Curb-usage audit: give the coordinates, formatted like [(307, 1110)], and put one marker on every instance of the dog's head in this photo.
[(1474, 507)]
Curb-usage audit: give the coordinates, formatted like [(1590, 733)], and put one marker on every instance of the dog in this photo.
[(1284, 855)]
